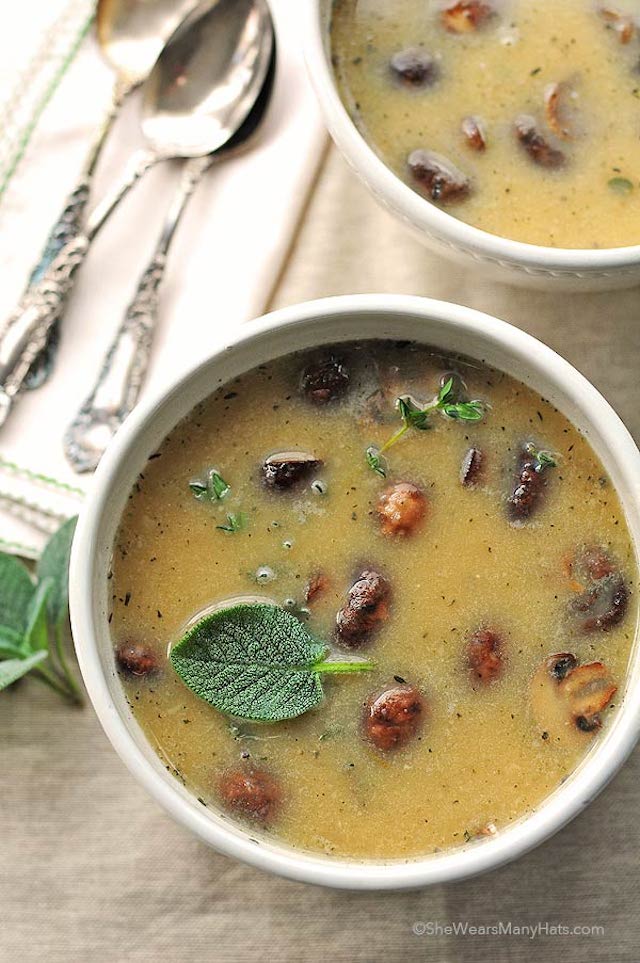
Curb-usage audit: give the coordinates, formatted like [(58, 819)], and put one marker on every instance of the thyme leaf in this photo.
[(236, 522), (213, 489)]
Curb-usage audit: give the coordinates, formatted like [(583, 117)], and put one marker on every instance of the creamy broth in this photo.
[(497, 73), (480, 757)]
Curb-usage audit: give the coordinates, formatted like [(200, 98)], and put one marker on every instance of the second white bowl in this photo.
[(529, 265)]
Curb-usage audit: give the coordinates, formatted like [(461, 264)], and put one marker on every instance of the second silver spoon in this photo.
[(124, 368)]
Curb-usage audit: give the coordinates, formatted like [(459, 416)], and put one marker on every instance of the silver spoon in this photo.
[(131, 34), (123, 370), (201, 89)]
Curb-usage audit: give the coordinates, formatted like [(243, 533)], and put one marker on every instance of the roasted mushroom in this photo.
[(603, 605), (485, 659), (367, 607), (602, 593), (567, 698), (285, 469), (441, 179), (622, 23), (536, 145), (559, 117), (414, 67), (472, 467), (401, 508), (251, 792), (474, 133), (325, 380), (465, 16), (393, 717), (530, 482), (137, 660)]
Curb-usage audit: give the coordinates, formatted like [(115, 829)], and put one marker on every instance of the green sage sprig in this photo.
[(34, 618)]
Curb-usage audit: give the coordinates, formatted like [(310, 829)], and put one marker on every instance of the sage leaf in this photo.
[(16, 589), (255, 661), (36, 636), (13, 669), (11, 644), (54, 564)]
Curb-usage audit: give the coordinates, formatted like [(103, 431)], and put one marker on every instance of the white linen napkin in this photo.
[(225, 261)]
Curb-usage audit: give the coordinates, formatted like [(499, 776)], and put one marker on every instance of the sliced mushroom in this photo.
[(414, 67), (536, 145), (589, 689), (559, 116), (622, 23), (440, 178), (485, 658), (602, 593), (401, 508), (392, 718), (325, 380), (285, 469), (472, 467), (567, 698), (367, 607), (474, 132), (465, 16)]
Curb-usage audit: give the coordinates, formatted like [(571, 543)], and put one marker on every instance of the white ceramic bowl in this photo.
[(525, 264), (446, 326)]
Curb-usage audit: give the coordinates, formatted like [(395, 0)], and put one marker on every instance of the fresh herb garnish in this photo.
[(34, 612), (213, 489), (257, 662), (236, 521), (375, 461), (544, 459), (621, 185), (415, 416)]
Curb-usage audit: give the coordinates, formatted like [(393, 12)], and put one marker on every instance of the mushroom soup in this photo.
[(398, 595), (521, 117)]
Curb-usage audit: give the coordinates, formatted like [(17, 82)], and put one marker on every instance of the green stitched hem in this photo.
[(40, 107), (43, 479)]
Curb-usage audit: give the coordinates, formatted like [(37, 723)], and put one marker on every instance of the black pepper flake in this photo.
[(400, 680), (127, 598)]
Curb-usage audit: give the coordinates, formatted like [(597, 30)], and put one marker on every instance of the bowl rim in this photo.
[(233, 840), (420, 212)]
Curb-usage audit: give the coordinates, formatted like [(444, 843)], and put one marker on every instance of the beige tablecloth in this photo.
[(92, 869)]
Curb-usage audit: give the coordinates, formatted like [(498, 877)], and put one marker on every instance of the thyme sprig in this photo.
[(416, 416)]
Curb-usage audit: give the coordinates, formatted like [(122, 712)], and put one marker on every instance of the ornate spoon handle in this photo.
[(28, 328), (26, 331), (69, 225), (121, 377)]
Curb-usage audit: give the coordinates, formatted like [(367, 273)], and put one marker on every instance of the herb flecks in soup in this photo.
[(521, 117), (443, 629)]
